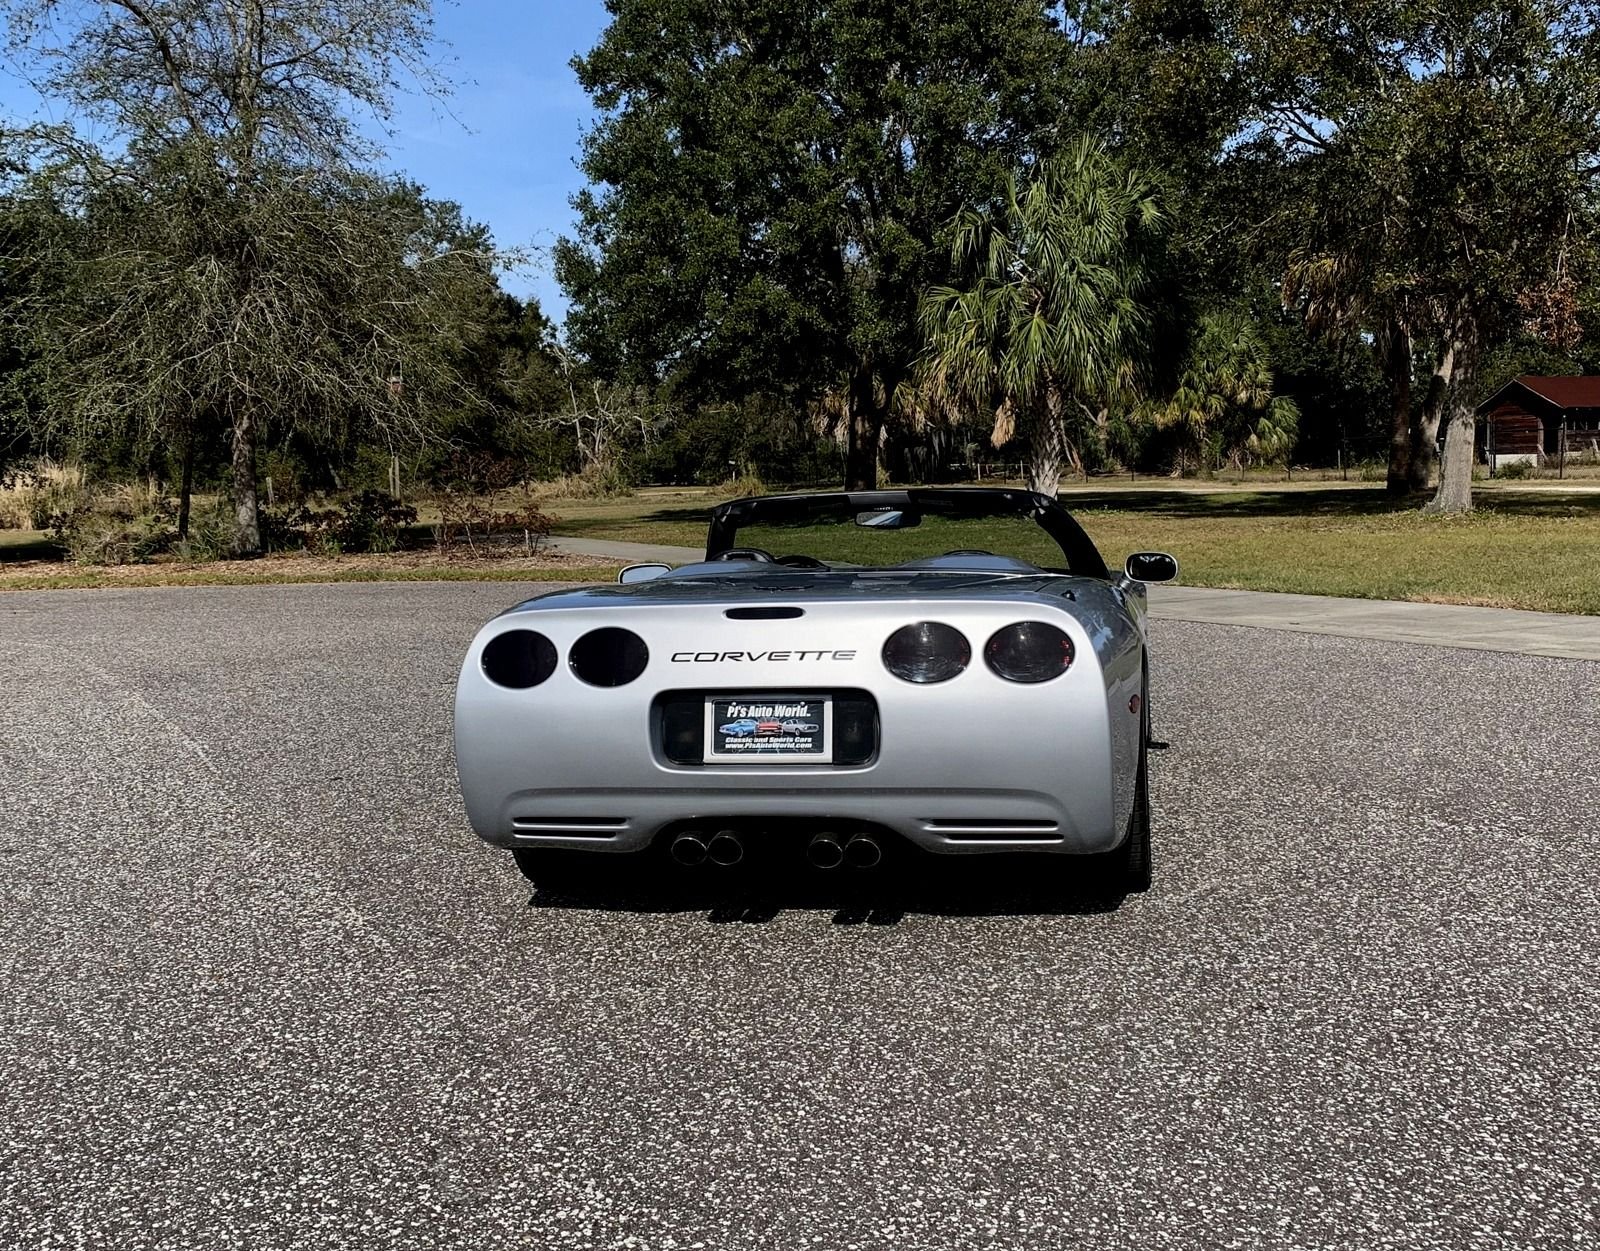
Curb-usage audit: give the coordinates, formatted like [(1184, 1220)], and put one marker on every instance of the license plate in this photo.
[(772, 730)]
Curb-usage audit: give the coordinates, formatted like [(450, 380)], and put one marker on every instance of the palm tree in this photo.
[(1050, 315), (1224, 400)]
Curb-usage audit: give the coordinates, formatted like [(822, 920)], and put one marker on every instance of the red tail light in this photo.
[(1029, 651)]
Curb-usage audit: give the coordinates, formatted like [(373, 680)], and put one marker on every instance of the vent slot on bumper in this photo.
[(990, 831), (680, 723), (569, 827)]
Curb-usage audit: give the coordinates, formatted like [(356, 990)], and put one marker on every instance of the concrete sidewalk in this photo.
[(1439, 625), (633, 553)]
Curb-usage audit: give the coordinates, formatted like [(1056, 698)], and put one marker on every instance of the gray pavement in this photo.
[(1445, 625), (264, 989)]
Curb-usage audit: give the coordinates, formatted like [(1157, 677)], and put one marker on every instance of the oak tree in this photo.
[(241, 267), (772, 184)]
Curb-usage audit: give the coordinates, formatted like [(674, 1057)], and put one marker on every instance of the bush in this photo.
[(40, 496), (126, 526), (466, 520), (597, 482), (17, 489), (211, 533), (1517, 469), (373, 521), (369, 522), (743, 485)]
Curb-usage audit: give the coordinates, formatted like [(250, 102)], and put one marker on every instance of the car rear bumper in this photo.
[(952, 821)]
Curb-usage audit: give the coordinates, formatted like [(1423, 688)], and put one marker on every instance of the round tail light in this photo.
[(609, 657), (926, 652), (518, 659), (1029, 651)]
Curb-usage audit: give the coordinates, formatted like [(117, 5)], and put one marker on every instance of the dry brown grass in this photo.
[(26, 490), (410, 566)]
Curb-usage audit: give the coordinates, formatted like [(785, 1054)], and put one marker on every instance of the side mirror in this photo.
[(642, 573), (1152, 567)]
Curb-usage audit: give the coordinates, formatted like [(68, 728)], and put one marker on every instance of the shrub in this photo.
[(128, 526), (369, 522), (37, 497), (597, 482), (1515, 470), (749, 483), (210, 533), (373, 521), (17, 488), (465, 520)]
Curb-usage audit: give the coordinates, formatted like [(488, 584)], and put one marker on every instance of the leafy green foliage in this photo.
[(1438, 167), (772, 184), (1224, 404), (229, 265), (1051, 320), (370, 521)]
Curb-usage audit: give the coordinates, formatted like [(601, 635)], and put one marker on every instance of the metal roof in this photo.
[(1577, 391)]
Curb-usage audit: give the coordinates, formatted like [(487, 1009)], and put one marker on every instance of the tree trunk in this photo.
[(1397, 365), (1460, 450), (864, 423), (1047, 444), (186, 485), (1425, 433), (246, 516)]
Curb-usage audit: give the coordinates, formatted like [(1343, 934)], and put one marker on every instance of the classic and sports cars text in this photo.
[(844, 674)]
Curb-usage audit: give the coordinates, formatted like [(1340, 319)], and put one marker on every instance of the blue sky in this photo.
[(504, 145), (506, 148)]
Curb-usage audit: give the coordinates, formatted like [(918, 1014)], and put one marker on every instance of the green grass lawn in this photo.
[(1520, 549), (19, 545)]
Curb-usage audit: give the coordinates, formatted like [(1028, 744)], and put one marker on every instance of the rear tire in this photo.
[(1126, 868), (1135, 850)]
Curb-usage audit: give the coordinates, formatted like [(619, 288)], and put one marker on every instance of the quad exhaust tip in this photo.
[(863, 852), (825, 851), (725, 848), (690, 848)]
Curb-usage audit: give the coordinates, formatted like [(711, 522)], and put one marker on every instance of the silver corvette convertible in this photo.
[(844, 675)]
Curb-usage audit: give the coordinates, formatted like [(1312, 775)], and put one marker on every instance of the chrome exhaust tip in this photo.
[(825, 852), (725, 848), (690, 848), (863, 851)]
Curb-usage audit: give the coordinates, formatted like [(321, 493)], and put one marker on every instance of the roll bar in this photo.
[(1082, 557)]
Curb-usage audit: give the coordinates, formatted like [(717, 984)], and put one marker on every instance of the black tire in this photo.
[(1126, 868), (1135, 849)]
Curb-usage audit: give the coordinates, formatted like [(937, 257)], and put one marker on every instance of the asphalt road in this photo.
[(263, 988)]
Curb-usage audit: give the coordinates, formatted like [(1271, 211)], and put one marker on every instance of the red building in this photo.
[(1533, 420)]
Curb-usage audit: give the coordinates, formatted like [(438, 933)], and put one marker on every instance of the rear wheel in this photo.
[(1127, 867), (1134, 870)]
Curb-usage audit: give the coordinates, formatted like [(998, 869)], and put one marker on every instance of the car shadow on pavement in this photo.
[(945, 886)]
